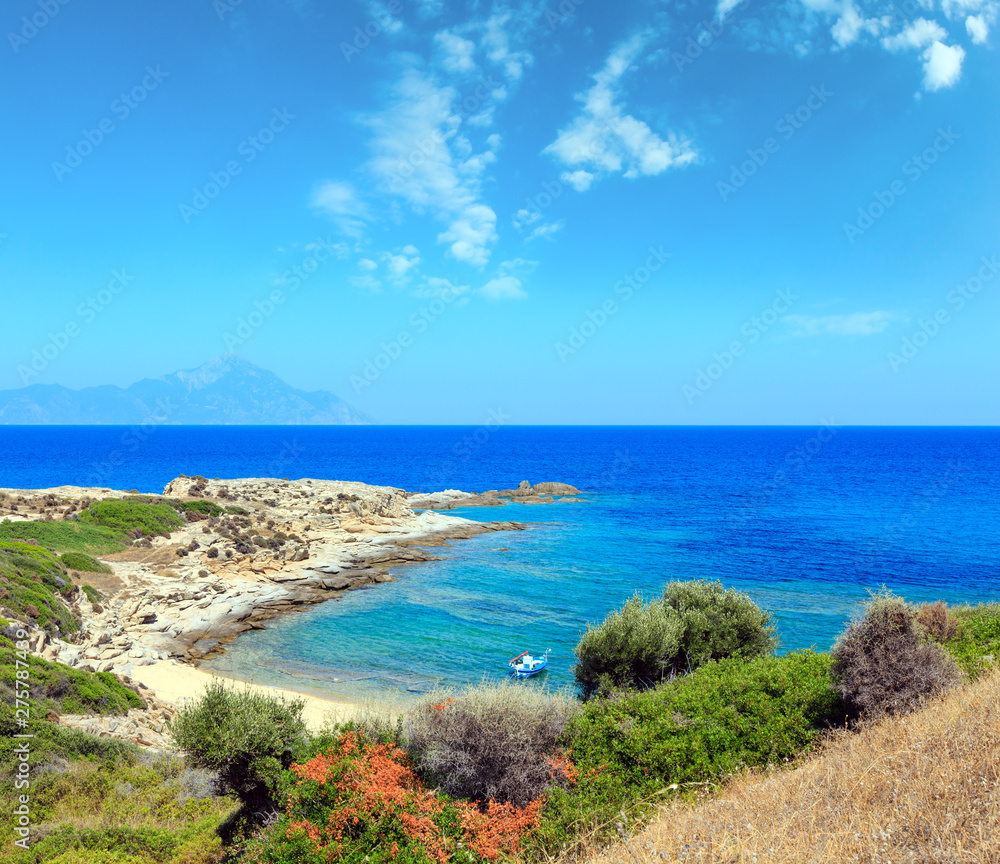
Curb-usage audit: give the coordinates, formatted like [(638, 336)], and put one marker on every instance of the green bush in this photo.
[(72, 536), (247, 737), (82, 561), (694, 622), (976, 644), (490, 742), (133, 514), (205, 507), (29, 577), (885, 662), (632, 748), (93, 595)]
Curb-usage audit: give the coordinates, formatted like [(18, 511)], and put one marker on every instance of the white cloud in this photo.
[(849, 26), (420, 156), (603, 139), (496, 40), (367, 264), (855, 324), (503, 288), (430, 8), (400, 265), (545, 231), (942, 65), (457, 52), (366, 282), (917, 34), (579, 179), (977, 28), (435, 287), (724, 7), (341, 203)]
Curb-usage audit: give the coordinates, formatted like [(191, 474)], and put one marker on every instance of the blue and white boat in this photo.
[(524, 665)]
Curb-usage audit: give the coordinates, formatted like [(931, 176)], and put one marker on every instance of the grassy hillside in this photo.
[(29, 577), (921, 787), (74, 536)]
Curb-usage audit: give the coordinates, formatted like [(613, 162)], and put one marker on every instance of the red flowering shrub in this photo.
[(361, 801)]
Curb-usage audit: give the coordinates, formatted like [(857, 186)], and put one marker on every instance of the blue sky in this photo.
[(639, 212)]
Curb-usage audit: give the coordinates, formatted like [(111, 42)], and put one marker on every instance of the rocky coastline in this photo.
[(274, 546)]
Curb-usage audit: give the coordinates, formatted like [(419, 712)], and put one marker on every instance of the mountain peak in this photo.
[(225, 390)]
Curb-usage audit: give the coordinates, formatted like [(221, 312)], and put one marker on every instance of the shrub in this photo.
[(490, 742), (632, 748), (204, 508), (693, 623), (66, 536), (82, 561), (133, 514), (976, 643), (29, 576), (885, 663), (939, 623), (244, 736), (361, 801)]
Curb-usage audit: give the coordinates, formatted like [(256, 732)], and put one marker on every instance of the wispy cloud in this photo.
[(421, 157), (340, 201), (855, 324), (603, 139)]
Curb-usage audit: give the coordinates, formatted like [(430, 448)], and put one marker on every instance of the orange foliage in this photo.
[(561, 764), (499, 829), (362, 786)]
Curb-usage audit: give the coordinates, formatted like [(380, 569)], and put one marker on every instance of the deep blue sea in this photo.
[(802, 519)]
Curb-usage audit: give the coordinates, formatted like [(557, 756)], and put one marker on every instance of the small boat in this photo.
[(524, 665)]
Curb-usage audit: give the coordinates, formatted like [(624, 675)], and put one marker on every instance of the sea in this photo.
[(806, 520)]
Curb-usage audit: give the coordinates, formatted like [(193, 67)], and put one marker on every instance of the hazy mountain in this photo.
[(225, 391)]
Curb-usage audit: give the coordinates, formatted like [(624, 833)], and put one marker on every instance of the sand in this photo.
[(176, 682)]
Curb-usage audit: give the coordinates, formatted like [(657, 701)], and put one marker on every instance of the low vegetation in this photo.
[(632, 749), (493, 742), (248, 738), (887, 662), (72, 536), (30, 578), (693, 623), (975, 644), (136, 516), (918, 787), (82, 561), (510, 771)]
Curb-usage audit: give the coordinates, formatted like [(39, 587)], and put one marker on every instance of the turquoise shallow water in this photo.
[(802, 519)]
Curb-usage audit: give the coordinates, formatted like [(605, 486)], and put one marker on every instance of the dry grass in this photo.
[(924, 787)]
